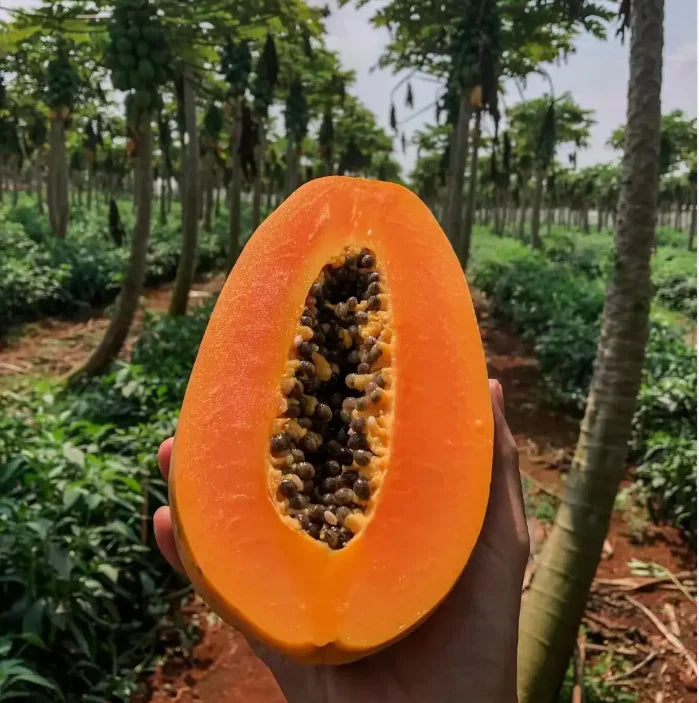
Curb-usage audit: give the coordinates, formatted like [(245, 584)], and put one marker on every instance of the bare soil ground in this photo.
[(640, 630)]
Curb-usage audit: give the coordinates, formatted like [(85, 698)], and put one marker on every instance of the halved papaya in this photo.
[(332, 460)]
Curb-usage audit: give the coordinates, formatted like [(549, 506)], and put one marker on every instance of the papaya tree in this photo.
[(236, 63), (296, 123), (211, 131), (61, 91), (471, 46), (678, 149), (428, 178), (36, 139), (262, 87), (190, 188), (139, 60), (165, 143), (539, 126), (566, 566)]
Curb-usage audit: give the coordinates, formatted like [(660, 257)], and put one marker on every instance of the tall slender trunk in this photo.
[(236, 186), (566, 566), (39, 180), (585, 219), (291, 177), (90, 184), (169, 191), (16, 179), (692, 220), (464, 248), (164, 177), (58, 179), (132, 285), (537, 243), (259, 153), (451, 216), (217, 193), (522, 213), (208, 180), (502, 225), (600, 217), (270, 194), (190, 202)]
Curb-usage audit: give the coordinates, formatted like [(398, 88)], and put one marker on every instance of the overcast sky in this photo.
[(596, 75)]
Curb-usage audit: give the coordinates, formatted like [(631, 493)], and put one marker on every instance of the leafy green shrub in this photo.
[(82, 595), (674, 275), (668, 472), (41, 275), (559, 309), (30, 283), (667, 399), (552, 305)]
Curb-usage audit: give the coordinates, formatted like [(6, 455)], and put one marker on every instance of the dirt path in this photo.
[(221, 668), (51, 347)]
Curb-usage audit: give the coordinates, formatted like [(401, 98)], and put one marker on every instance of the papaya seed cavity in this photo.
[(328, 447)]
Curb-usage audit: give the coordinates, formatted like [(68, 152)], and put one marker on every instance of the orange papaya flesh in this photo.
[(428, 430)]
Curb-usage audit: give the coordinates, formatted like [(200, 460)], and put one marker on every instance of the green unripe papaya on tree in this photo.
[(142, 49), (142, 98), (160, 58), (120, 79), (127, 61), (124, 46), (146, 70), (151, 34)]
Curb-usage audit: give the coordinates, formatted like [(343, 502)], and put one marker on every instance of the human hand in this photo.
[(467, 649)]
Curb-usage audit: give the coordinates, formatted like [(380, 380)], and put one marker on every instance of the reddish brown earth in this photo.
[(221, 668), (51, 347)]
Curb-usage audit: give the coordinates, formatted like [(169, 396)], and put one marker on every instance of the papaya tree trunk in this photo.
[(16, 179), (586, 219), (259, 154), (537, 243), (467, 228), (522, 213), (234, 209), (209, 163), (169, 191), (90, 184), (692, 221), (451, 215), (217, 194), (165, 176), (132, 285), (58, 179), (292, 167), (502, 225), (270, 194), (190, 202), (39, 180), (566, 566)]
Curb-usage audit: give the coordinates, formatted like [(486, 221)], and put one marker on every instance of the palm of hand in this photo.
[(466, 650)]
